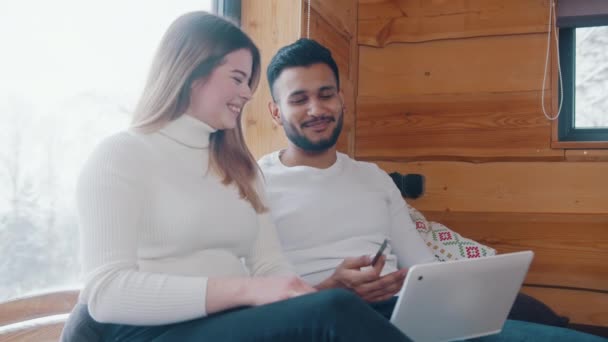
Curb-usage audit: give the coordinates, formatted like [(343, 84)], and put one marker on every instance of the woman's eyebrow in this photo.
[(241, 72)]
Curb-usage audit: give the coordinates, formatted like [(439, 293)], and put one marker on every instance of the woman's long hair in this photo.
[(193, 46)]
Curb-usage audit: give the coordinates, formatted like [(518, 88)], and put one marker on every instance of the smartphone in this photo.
[(380, 251)]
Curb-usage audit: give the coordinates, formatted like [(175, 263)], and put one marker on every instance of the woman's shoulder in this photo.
[(125, 147), (119, 159), (123, 140)]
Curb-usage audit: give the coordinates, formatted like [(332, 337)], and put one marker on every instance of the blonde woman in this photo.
[(169, 208)]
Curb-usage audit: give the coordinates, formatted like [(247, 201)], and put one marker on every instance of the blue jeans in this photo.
[(331, 315)]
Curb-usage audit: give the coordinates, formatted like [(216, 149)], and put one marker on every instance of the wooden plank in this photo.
[(580, 306), (271, 24), (465, 66), (25, 308), (391, 21), (340, 14), (341, 48), (579, 144), (40, 333), (474, 126), (514, 187), (571, 250), (323, 32), (587, 155), (351, 100), (274, 24)]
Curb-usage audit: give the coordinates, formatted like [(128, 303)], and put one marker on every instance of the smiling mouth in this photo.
[(319, 123), (234, 109)]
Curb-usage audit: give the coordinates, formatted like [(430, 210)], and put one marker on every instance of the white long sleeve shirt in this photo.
[(155, 224), (325, 215)]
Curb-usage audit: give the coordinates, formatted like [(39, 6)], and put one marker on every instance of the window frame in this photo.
[(230, 9), (566, 130)]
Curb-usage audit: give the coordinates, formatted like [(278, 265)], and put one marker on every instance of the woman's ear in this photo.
[(275, 112), (197, 83)]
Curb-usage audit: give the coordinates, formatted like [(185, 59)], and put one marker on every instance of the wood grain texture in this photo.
[(461, 66), (382, 22), (587, 155), (479, 126), (571, 250), (513, 187), (342, 15), (271, 24), (580, 306), (36, 306), (341, 46), (580, 144), (39, 333), (274, 24)]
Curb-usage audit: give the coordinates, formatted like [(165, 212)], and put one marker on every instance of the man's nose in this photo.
[(315, 108)]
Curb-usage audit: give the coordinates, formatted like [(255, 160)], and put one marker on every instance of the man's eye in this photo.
[(298, 101), (327, 96), (237, 80)]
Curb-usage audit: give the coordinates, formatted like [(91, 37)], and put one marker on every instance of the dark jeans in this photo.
[(525, 308), (331, 315)]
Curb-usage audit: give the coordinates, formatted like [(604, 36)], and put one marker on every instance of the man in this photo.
[(327, 206)]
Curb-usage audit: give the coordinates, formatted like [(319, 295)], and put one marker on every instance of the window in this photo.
[(583, 45), (71, 73)]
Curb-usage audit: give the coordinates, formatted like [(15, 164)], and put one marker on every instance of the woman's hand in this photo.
[(229, 292), (265, 290)]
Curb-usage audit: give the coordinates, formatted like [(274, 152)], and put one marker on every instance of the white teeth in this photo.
[(234, 108)]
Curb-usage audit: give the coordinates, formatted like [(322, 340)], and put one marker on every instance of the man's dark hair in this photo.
[(304, 52)]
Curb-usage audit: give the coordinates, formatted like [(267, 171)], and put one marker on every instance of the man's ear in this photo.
[(341, 95), (275, 112)]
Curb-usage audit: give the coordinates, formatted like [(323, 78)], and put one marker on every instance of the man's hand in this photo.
[(366, 283)]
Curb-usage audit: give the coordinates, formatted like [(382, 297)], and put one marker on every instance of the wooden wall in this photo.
[(276, 23), (452, 90), (334, 24), (453, 80), (271, 24)]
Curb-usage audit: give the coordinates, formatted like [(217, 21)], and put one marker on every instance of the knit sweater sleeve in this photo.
[(266, 257), (109, 195), (405, 240)]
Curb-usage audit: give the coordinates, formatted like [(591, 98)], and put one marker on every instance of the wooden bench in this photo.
[(38, 318)]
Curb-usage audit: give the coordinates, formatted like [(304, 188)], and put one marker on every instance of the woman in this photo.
[(169, 208)]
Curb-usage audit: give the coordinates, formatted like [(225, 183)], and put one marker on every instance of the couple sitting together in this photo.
[(184, 239)]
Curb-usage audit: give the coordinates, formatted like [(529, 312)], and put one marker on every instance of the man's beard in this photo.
[(305, 144)]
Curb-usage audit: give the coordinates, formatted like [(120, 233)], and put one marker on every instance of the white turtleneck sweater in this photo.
[(347, 210), (155, 224)]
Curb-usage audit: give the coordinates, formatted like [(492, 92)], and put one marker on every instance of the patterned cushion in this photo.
[(445, 243)]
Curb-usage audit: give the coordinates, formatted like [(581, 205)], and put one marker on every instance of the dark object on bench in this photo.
[(529, 309), (410, 185)]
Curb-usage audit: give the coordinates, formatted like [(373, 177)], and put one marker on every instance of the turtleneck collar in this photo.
[(188, 131)]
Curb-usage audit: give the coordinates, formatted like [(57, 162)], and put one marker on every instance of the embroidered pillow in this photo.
[(445, 243)]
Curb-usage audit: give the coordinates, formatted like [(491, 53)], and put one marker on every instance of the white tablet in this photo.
[(456, 300)]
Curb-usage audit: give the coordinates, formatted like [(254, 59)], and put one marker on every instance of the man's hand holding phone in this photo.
[(367, 282)]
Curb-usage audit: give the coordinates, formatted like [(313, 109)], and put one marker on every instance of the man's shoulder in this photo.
[(367, 168)]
